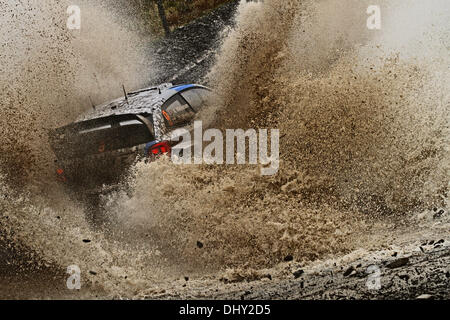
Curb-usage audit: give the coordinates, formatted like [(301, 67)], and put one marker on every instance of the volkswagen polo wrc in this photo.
[(98, 148)]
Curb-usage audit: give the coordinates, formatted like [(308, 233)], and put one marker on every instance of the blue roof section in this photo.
[(182, 87)]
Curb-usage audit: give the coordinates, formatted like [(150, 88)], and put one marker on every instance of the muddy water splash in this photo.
[(366, 110), (365, 137), (364, 122), (50, 74)]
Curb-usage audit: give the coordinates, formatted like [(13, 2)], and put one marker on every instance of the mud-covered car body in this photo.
[(99, 147)]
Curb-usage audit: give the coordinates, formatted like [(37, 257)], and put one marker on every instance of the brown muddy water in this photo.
[(363, 116)]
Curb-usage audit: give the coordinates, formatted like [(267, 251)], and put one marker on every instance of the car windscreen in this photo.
[(100, 135), (197, 97), (177, 112)]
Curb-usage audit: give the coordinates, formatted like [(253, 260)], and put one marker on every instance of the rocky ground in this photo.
[(422, 273), (415, 266), (415, 269)]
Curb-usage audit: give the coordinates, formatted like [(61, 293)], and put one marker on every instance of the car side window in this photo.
[(196, 97), (177, 112)]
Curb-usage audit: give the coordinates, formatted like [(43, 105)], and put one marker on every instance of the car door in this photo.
[(177, 114)]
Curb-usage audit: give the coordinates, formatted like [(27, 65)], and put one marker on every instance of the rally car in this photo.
[(102, 144)]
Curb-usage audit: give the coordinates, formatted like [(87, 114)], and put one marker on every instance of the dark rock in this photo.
[(93, 273), (404, 277), (288, 258), (199, 244), (186, 278), (438, 214), (349, 271), (297, 274), (398, 263), (246, 293), (361, 274), (394, 254), (86, 240)]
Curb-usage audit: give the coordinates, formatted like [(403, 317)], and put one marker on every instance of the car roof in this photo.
[(139, 102)]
